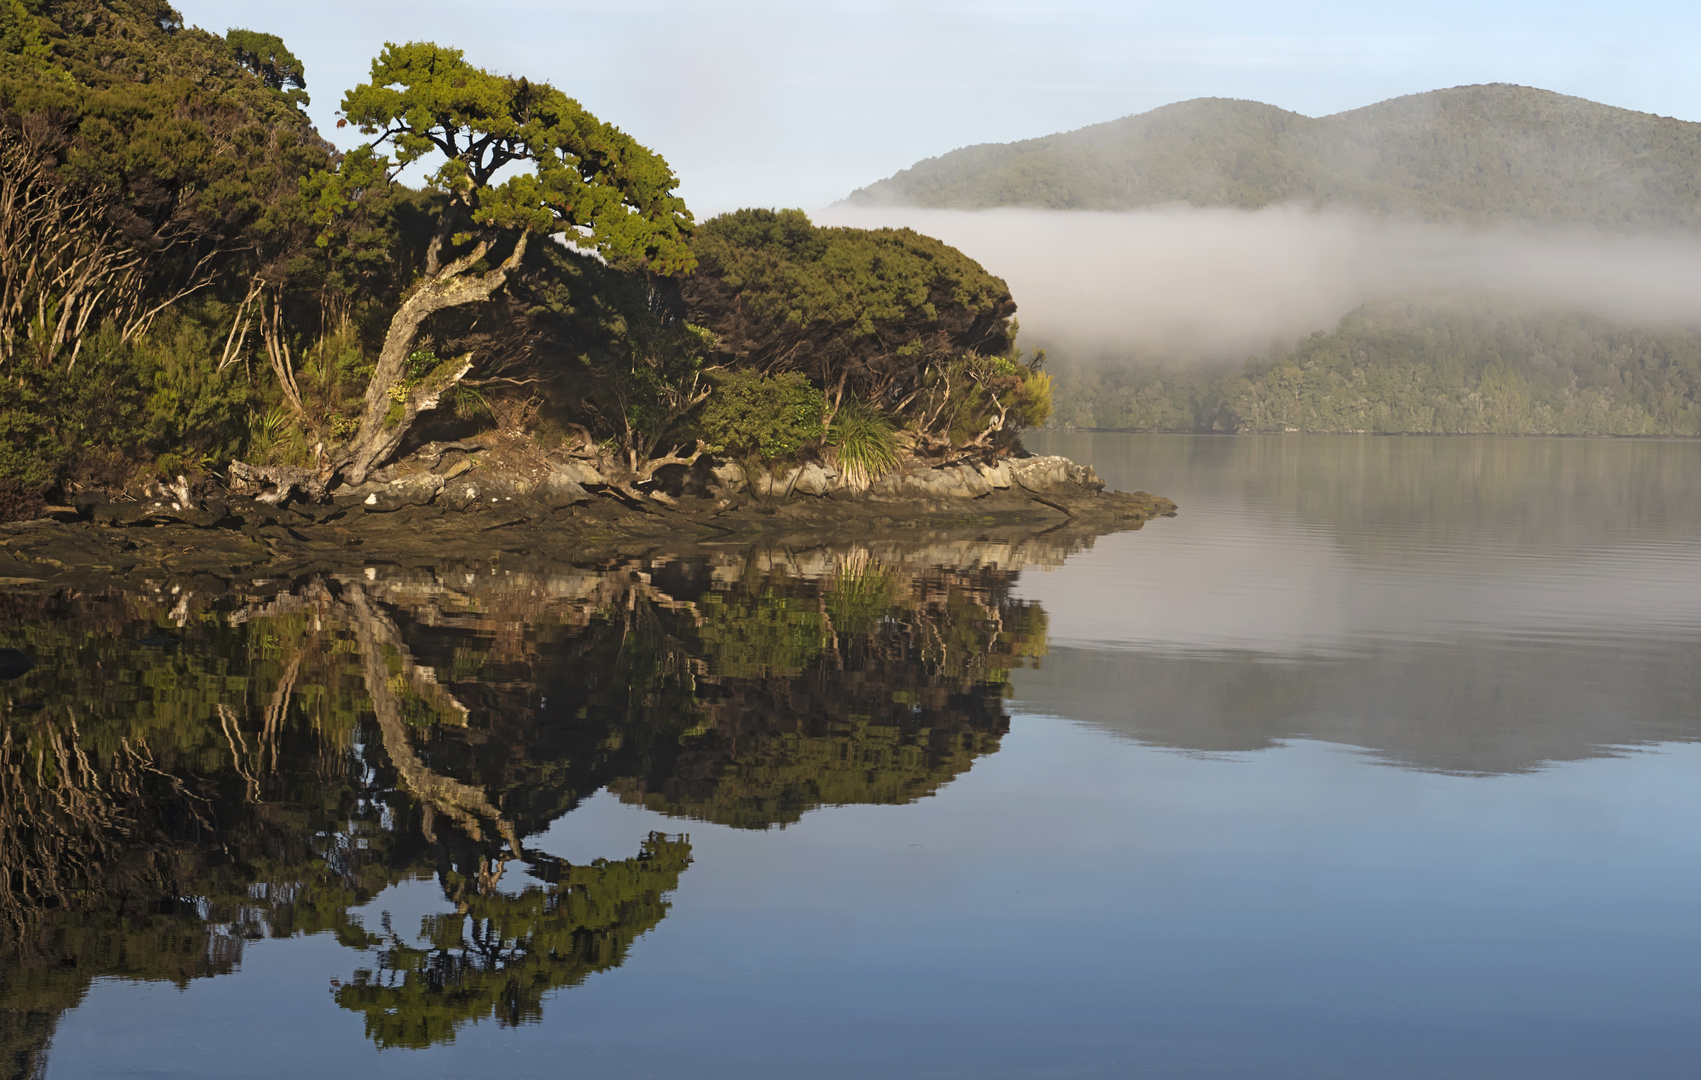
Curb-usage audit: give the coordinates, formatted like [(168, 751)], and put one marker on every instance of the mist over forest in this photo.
[(1489, 258), (1215, 284)]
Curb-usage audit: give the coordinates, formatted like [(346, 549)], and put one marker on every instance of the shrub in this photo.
[(18, 503), (158, 405), (193, 412), (864, 444), (970, 391), (751, 414), (1033, 403)]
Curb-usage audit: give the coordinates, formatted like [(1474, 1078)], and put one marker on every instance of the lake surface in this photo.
[(1381, 759)]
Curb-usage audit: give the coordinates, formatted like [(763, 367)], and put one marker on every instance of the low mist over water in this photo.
[(1218, 284)]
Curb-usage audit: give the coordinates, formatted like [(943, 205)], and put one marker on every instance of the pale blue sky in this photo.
[(761, 102)]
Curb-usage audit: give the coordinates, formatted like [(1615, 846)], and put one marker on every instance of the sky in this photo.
[(766, 103)]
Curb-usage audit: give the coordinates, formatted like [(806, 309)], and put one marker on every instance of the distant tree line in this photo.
[(1430, 367)]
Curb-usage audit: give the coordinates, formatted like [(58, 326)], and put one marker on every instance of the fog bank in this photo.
[(1220, 283)]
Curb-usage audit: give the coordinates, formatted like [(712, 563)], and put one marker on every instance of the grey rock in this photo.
[(462, 493), (501, 489), (157, 511), (767, 483), (730, 476), (997, 475), (559, 490), (1053, 474), (580, 472), (949, 482), (812, 479), (970, 483), (415, 490)]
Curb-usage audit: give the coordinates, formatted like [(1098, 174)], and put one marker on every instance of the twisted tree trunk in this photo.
[(392, 401), (381, 428)]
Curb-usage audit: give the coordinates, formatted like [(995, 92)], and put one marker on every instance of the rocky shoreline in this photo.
[(459, 509)]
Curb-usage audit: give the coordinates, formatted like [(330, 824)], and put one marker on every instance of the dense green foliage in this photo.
[(1472, 153), (973, 391), (160, 400), (150, 173), (182, 161), (268, 57), (1430, 367), (769, 417), (606, 352), (582, 177), (901, 322), (196, 277), (863, 309)]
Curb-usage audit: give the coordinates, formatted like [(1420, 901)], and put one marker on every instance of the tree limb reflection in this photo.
[(191, 767)]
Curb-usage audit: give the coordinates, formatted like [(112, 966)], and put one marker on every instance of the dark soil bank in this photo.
[(244, 536)]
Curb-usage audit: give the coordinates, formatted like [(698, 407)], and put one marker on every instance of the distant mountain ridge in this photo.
[(1471, 154)]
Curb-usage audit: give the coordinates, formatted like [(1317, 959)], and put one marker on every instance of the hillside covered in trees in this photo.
[(1468, 154), (194, 285), (1437, 365), (1471, 157)]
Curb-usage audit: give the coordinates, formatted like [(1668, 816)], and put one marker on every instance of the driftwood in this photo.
[(428, 455)]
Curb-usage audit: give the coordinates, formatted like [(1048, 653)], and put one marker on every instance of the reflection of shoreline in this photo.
[(1462, 604), (1308, 547), (1383, 495), (1456, 707), (1285, 590), (285, 752), (345, 539)]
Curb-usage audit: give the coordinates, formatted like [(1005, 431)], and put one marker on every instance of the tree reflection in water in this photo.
[(193, 765)]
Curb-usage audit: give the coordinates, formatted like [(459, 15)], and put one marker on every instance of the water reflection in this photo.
[(1305, 547), (399, 761), (193, 765), (1477, 605)]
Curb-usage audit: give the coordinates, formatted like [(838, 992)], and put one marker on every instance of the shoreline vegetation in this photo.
[(214, 319)]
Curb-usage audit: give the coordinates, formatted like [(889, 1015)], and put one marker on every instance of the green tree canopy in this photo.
[(587, 178), (1419, 365), (862, 310), (266, 56), (144, 164), (565, 172)]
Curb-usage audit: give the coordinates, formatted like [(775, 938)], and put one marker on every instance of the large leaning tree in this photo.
[(518, 159)]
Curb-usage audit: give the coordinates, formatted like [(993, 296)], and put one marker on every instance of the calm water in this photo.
[(1380, 760)]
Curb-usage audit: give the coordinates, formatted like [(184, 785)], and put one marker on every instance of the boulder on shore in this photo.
[(416, 489), (1051, 474), (945, 482), (560, 489)]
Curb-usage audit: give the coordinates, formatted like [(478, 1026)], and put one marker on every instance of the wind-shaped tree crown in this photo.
[(587, 178), (267, 56)]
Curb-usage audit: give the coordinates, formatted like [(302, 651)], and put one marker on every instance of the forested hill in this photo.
[(1471, 153), (1430, 365)]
